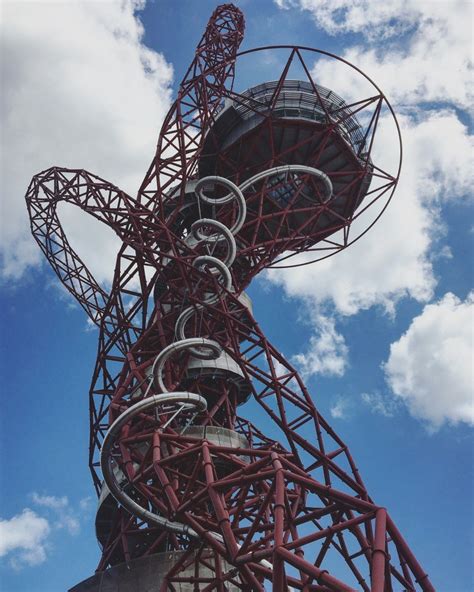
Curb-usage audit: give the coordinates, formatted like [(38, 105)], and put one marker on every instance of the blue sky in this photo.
[(381, 332)]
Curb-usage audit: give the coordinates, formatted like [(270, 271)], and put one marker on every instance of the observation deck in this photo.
[(296, 100), (296, 124)]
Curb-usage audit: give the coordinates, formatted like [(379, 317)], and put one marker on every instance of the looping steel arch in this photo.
[(234, 508)]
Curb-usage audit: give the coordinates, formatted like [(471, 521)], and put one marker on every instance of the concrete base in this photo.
[(146, 574)]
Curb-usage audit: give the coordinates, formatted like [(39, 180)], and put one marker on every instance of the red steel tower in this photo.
[(192, 496)]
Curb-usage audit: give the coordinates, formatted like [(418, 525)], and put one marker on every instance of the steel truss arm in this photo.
[(93, 195), (199, 97)]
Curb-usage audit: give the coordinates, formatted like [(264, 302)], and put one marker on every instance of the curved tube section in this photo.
[(222, 234), (199, 347), (187, 400), (180, 326), (292, 168), (235, 192), (206, 349), (219, 267)]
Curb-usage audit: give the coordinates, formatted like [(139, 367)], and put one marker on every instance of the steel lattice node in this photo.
[(192, 496)]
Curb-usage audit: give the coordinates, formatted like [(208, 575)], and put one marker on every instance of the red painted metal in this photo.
[(288, 511)]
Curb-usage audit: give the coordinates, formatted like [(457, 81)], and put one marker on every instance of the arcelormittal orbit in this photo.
[(192, 496)]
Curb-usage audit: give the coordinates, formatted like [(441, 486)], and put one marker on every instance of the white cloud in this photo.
[(340, 410), (327, 352), (426, 49), (383, 405), (86, 503), (419, 53), (430, 366), (50, 501), (394, 259), (82, 91), (342, 16), (24, 538), (64, 515)]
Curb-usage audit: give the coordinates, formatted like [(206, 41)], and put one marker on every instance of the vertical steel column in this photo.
[(378, 552)]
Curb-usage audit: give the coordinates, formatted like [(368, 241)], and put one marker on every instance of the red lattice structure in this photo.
[(191, 495)]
